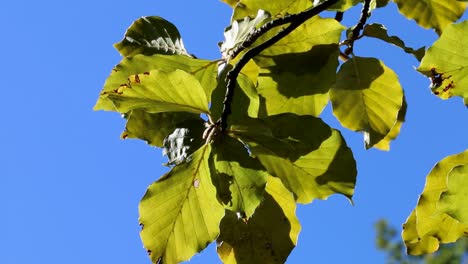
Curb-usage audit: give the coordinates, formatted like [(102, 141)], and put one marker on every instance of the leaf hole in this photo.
[(196, 183)]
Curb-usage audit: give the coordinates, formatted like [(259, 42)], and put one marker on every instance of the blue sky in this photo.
[(69, 187)]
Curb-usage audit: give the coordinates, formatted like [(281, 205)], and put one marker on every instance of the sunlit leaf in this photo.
[(310, 158), (158, 91), (367, 97), (415, 244), (240, 179), (151, 35), (203, 70), (268, 237), (239, 30), (380, 32), (341, 5), (179, 213), (231, 3), (297, 72), (250, 8), (436, 14), (425, 227), (448, 57), (154, 127), (453, 201), (384, 144)]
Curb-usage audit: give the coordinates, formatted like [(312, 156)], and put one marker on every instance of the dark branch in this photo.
[(295, 21), (362, 19), (359, 27), (256, 33), (339, 16)]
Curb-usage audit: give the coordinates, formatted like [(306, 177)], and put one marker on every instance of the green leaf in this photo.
[(239, 178), (342, 5), (231, 3), (448, 57), (367, 97), (384, 144), (239, 30), (151, 35), (380, 32), (436, 14), (297, 72), (179, 213), (453, 200), (311, 159), (154, 127), (205, 71), (158, 91), (183, 141), (381, 3), (268, 237), (425, 227), (250, 8), (415, 244)]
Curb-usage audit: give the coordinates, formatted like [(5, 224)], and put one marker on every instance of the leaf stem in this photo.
[(295, 21)]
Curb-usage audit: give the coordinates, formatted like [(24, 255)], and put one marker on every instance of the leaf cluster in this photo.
[(238, 180)]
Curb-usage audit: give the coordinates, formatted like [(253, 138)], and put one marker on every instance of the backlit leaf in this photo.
[(380, 32), (154, 127), (297, 72), (179, 213), (381, 3), (436, 14), (231, 3), (239, 30), (158, 91), (384, 144), (250, 8), (151, 35), (310, 158), (342, 5), (453, 201), (448, 57), (240, 179), (425, 227), (367, 97), (203, 70), (268, 237)]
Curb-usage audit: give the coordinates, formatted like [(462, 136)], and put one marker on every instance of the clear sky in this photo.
[(69, 187)]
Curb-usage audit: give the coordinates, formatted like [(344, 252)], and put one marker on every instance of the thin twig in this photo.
[(362, 19), (256, 33), (339, 16), (359, 27), (295, 21)]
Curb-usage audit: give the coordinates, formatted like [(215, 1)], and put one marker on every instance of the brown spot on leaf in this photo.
[(146, 73), (449, 86), (137, 78)]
